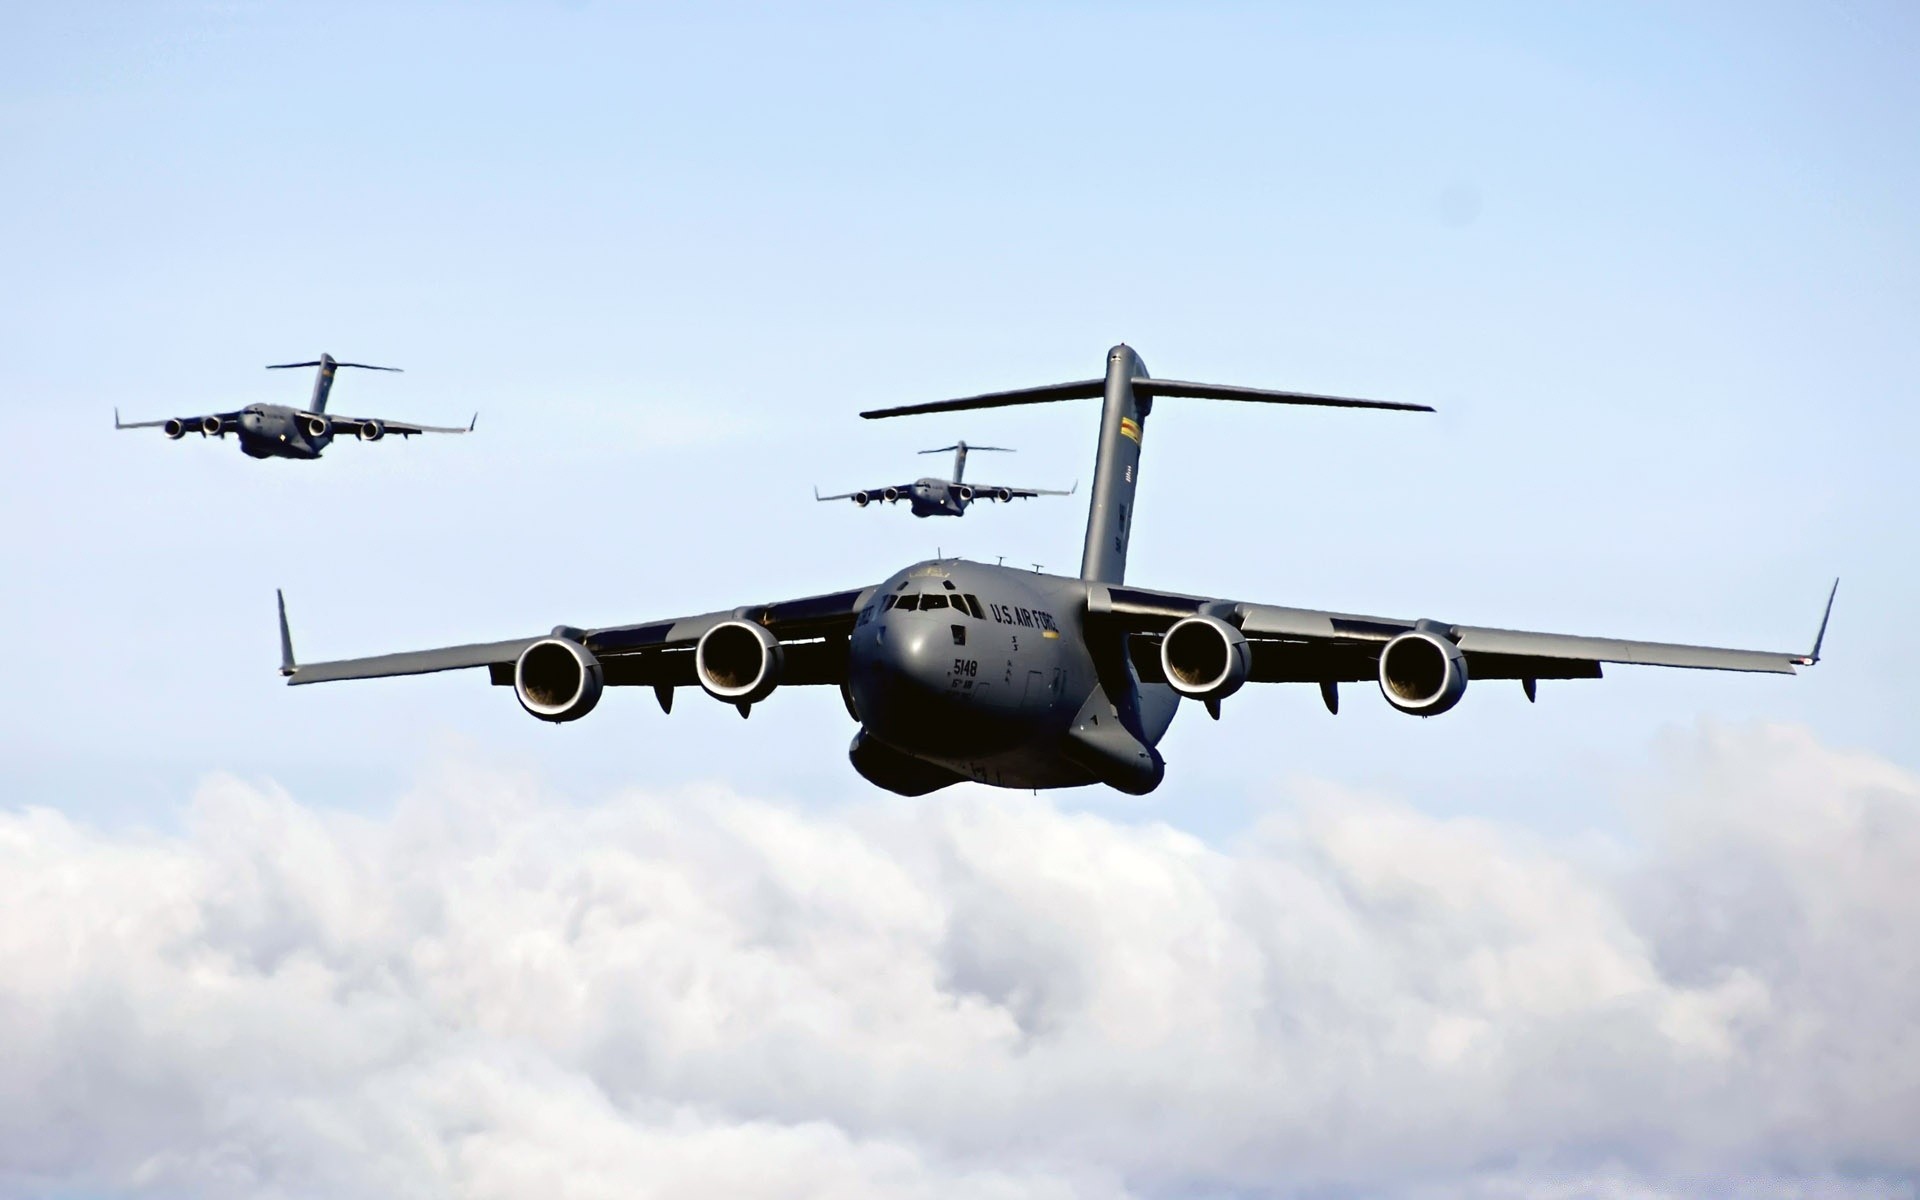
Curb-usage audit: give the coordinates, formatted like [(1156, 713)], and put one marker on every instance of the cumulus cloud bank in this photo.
[(492, 993)]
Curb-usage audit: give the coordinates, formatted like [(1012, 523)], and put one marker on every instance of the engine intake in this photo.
[(558, 680), (317, 427), (372, 431), (211, 426), (1422, 673), (890, 495), (1205, 658), (862, 499), (1003, 495), (738, 662), (175, 428), (966, 494)]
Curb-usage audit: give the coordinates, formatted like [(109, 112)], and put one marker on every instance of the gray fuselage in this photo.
[(1019, 695), (278, 431), (937, 498)]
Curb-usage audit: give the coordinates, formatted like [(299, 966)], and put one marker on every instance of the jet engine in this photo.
[(211, 426), (965, 494), (1205, 658), (1422, 673), (558, 680), (317, 427), (175, 428), (738, 662), (372, 431), (1003, 495), (862, 499), (890, 495)]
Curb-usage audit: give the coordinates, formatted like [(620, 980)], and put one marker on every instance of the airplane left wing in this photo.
[(375, 428), (1297, 645), (988, 491), (812, 633)]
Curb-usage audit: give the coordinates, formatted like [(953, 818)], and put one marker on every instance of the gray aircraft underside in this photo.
[(957, 670), (930, 497), (282, 431)]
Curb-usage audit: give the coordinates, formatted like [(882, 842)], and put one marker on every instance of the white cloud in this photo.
[(491, 993)]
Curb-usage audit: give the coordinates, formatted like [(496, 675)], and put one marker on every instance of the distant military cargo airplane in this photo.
[(281, 431), (945, 497), (958, 670)]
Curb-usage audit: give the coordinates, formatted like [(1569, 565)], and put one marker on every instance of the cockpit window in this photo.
[(973, 605), (909, 603), (932, 600)]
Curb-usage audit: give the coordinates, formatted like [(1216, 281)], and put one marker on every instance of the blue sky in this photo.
[(1657, 267)]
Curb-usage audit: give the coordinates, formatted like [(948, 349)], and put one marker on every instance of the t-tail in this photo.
[(1127, 393), (323, 381), (960, 457)]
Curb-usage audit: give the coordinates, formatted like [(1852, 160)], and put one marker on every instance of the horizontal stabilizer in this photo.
[(1083, 389), (1219, 391), (321, 363), (969, 446), (1142, 386)]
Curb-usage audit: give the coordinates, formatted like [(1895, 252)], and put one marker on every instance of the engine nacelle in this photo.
[(372, 431), (738, 662), (175, 428), (558, 680), (317, 427), (1205, 658), (211, 426), (890, 495), (862, 499), (1003, 495), (965, 493), (1422, 673)]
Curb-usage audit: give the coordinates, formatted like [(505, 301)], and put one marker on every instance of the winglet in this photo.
[(287, 666), (472, 423), (116, 418), (1813, 655)]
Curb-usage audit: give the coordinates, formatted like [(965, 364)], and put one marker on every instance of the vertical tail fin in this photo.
[(1128, 393), (960, 450), (323, 381), (1116, 469)]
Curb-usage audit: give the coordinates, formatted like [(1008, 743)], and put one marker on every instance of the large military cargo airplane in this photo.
[(958, 670), (930, 497), (281, 431)]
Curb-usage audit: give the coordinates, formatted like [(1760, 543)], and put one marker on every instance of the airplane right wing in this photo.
[(811, 635), (211, 425), (888, 492), (1295, 645)]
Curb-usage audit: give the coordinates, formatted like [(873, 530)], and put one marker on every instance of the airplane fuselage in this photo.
[(278, 431), (986, 673), (936, 498)]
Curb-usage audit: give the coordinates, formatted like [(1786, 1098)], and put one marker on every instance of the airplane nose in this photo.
[(912, 653)]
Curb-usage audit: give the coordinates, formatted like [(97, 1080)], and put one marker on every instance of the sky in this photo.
[(1657, 269)]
